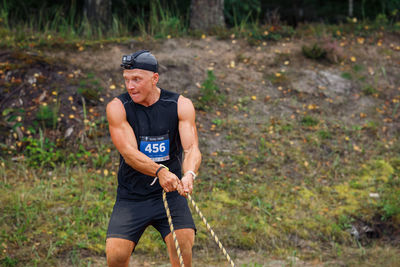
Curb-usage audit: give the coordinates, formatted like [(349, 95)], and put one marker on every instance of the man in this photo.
[(151, 127)]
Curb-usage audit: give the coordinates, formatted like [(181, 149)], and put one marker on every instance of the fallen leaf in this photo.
[(371, 71)]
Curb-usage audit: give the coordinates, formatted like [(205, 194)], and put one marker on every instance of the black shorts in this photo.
[(130, 218)]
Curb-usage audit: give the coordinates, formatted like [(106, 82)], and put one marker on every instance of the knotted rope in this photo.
[(205, 222), (211, 231), (171, 227)]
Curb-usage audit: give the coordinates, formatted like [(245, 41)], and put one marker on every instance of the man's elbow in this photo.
[(199, 156)]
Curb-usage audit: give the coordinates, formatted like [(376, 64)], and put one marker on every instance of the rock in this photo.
[(374, 195), (325, 82), (354, 232), (42, 96), (68, 132)]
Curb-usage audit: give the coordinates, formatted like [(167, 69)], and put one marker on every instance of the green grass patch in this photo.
[(309, 121), (210, 93)]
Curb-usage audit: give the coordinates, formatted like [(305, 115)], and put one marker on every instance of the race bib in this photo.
[(155, 147)]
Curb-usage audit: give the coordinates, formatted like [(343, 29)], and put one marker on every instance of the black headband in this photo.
[(142, 59)]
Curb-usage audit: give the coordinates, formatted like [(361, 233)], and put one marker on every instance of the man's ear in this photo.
[(155, 78)]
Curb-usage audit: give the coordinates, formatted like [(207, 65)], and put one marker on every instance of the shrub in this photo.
[(42, 153), (210, 93), (47, 116), (314, 52), (90, 89), (334, 53), (369, 90), (309, 121)]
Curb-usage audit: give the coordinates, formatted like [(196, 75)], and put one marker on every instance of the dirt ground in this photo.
[(242, 71), (203, 258)]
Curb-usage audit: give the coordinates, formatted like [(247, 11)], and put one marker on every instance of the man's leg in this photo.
[(186, 240), (118, 251)]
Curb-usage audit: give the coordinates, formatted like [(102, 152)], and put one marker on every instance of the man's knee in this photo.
[(186, 240), (118, 251)]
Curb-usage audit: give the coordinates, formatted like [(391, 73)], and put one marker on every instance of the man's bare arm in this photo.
[(124, 140), (189, 140)]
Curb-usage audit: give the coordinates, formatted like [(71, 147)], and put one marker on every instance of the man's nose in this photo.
[(130, 85)]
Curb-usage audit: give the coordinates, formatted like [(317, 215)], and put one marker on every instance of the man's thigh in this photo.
[(180, 214), (129, 219)]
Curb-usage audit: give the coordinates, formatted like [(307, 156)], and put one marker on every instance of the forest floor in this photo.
[(300, 164)]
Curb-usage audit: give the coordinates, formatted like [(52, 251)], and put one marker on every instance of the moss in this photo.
[(354, 198), (223, 197)]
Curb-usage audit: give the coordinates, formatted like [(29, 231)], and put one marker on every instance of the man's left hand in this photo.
[(187, 182)]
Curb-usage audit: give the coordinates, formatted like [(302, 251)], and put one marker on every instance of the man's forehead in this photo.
[(137, 72)]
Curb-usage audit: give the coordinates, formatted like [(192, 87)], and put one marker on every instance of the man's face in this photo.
[(139, 83)]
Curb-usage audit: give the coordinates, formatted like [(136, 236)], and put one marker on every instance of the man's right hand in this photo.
[(168, 180)]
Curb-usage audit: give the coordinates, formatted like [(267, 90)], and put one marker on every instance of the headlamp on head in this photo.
[(142, 59)]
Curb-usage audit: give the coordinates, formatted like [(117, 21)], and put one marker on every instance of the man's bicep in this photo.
[(123, 137), (187, 125), (121, 132)]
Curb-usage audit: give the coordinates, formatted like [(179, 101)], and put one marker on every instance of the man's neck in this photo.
[(153, 97)]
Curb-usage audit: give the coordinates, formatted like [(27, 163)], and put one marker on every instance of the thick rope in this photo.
[(171, 227), (211, 231)]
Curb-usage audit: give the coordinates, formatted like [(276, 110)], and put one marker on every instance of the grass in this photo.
[(53, 28), (49, 212), (210, 93), (54, 211), (292, 187)]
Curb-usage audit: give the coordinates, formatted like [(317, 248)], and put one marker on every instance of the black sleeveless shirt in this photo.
[(157, 135)]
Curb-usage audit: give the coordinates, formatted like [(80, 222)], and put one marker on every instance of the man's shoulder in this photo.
[(185, 107), (169, 95), (124, 97), (115, 111)]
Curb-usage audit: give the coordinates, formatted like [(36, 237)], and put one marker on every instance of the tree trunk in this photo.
[(350, 8), (207, 14), (98, 12)]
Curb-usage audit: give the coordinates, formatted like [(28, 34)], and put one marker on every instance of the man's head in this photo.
[(141, 76), (142, 59)]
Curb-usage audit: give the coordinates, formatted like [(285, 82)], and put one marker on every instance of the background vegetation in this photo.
[(160, 18), (306, 187)]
